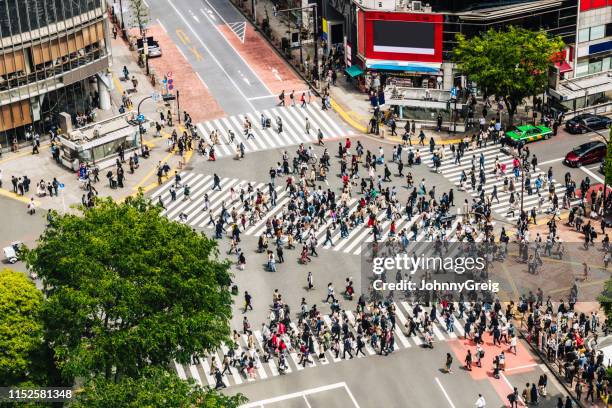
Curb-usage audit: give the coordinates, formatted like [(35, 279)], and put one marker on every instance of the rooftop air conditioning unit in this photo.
[(415, 5)]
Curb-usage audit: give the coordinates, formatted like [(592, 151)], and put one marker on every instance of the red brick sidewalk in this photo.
[(194, 96)]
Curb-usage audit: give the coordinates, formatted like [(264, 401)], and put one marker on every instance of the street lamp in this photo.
[(122, 24), (314, 30)]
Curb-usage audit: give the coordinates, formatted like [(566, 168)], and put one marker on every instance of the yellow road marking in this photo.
[(14, 156), (510, 280), (10, 194), (196, 53), (347, 118), (591, 283), (118, 84), (182, 36)]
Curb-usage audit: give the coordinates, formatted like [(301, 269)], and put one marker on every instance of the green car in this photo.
[(528, 133)]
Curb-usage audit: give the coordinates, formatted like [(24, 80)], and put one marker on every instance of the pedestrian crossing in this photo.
[(452, 171), (201, 372), (293, 119), (192, 211)]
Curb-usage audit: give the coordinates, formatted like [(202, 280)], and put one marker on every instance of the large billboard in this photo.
[(402, 36)]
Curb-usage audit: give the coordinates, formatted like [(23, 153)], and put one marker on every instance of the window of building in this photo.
[(607, 64), (583, 35), (592, 33), (582, 68), (598, 32), (595, 66)]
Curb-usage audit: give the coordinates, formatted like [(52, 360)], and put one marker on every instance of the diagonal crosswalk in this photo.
[(200, 369), (452, 171), (293, 119), (205, 205)]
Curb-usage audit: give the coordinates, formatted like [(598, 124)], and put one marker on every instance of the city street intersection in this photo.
[(217, 49)]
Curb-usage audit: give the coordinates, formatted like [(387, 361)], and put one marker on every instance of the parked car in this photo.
[(527, 133), (584, 122), (586, 153), (153, 48)]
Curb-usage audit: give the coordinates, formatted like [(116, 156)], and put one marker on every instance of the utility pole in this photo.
[(178, 106), (122, 24)]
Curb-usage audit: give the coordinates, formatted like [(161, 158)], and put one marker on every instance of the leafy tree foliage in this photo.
[(608, 161), (510, 64), (21, 329), (155, 388), (127, 289)]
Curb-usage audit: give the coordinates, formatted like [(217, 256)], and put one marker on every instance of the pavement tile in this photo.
[(195, 98)]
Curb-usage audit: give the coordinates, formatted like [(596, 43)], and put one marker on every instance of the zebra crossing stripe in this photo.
[(271, 363), (195, 186), (326, 122), (169, 183), (180, 371), (207, 373), (196, 376), (233, 370), (258, 365)]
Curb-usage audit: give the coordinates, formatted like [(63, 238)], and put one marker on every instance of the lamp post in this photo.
[(140, 130), (315, 32)]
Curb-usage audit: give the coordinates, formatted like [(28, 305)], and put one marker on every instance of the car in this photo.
[(153, 48), (585, 122), (527, 133), (586, 153)]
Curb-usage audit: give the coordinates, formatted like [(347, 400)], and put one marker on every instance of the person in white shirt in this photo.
[(480, 402)]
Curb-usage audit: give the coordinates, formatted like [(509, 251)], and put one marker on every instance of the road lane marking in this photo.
[(298, 394), (232, 45), (201, 80), (591, 174), (261, 97), (161, 25), (183, 54), (182, 36), (212, 55), (196, 53), (522, 367), (445, 393), (551, 161)]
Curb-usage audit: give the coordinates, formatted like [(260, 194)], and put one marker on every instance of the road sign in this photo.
[(170, 84), (169, 74), (61, 185), (140, 118), (156, 96)]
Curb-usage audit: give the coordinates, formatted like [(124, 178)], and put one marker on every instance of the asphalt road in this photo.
[(229, 78)]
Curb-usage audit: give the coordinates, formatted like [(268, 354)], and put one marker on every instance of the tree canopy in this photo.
[(128, 289), (21, 329), (155, 388), (511, 64)]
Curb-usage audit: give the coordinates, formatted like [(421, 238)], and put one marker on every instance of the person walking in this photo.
[(248, 299), (330, 293), (448, 363), (216, 182), (310, 281), (480, 402), (281, 98)]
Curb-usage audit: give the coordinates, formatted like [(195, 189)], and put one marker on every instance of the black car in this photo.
[(584, 122)]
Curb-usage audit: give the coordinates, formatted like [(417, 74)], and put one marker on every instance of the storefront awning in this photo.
[(354, 71), (424, 68), (563, 67)]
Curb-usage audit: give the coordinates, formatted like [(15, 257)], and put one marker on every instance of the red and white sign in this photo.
[(400, 36)]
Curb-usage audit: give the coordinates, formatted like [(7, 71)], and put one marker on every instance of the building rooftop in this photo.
[(577, 88)]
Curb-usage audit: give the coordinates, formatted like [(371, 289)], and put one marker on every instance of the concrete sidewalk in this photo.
[(43, 167)]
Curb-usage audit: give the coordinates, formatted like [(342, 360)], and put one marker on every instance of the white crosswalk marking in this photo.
[(195, 213), (294, 132), (202, 375), (453, 171)]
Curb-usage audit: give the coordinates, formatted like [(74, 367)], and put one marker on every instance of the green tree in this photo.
[(511, 64), (140, 15), (605, 299), (155, 388), (21, 329), (127, 288)]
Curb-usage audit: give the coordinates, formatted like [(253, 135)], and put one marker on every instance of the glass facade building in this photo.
[(54, 57)]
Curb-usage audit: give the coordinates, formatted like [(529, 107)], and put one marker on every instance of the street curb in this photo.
[(346, 117)]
